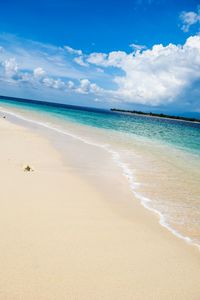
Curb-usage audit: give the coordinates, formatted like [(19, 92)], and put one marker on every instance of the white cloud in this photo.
[(73, 51), (156, 76), (13, 71), (97, 59), (70, 84), (39, 72), (94, 88), (189, 18), (113, 59), (31, 54), (53, 83), (79, 60), (87, 87), (84, 86), (10, 67)]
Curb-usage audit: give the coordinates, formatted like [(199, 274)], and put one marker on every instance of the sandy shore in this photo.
[(60, 239)]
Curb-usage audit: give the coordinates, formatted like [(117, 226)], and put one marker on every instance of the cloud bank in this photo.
[(155, 76), (160, 76)]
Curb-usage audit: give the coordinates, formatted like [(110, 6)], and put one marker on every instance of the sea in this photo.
[(159, 159)]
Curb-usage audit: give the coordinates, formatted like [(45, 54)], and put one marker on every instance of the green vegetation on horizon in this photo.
[(150, 114)]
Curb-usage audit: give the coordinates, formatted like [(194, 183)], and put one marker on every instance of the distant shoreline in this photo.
[(154, 115)]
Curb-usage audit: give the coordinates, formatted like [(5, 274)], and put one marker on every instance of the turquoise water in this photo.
[(159, 158), (184, 135)]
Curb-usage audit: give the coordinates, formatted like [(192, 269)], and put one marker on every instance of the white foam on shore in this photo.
[(123, 166)]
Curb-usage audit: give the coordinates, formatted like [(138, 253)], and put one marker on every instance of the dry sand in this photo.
[(61, 239)]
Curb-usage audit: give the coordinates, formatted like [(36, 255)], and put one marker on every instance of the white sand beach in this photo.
[(61, 238)]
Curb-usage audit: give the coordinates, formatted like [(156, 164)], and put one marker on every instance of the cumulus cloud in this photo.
[(99, 59), (38, 77), (87, 87), (10, 67), (155, 76), (70, 84), (32, 54), (158, 76), (53, 83), (189, 18), (112, 59)]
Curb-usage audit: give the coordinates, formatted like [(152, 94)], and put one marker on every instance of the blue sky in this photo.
[(132, 53)]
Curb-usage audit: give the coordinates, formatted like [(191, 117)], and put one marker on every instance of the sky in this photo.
[(131, 54)]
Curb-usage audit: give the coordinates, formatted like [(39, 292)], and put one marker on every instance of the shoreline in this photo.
[(63, 242), (143, 201)]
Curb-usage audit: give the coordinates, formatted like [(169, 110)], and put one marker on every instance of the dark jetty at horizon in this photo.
[(150, 114), (92, 109)]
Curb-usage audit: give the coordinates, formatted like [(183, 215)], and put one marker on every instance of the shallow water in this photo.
[(159, 158)]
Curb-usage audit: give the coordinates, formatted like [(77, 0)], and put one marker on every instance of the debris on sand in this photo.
[(28, 168)]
